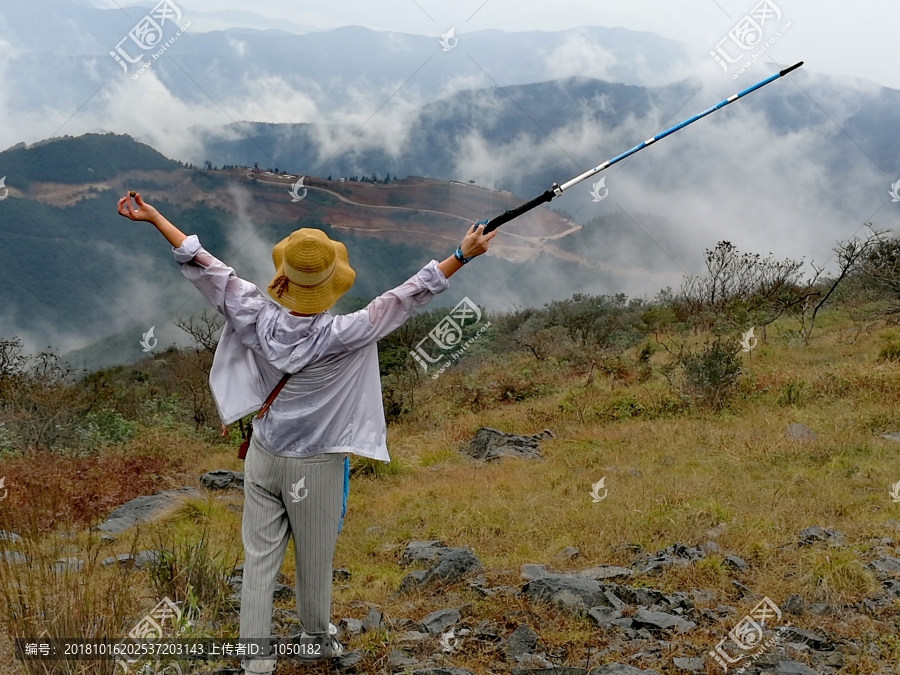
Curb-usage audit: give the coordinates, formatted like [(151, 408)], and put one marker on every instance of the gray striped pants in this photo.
[(283, 496)]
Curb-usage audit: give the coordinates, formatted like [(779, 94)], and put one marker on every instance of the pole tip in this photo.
[(793, 67)]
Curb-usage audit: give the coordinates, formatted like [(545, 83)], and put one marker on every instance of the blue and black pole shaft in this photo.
[(557, 190)]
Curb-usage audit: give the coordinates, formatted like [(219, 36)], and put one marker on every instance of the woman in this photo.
[(296, 466)]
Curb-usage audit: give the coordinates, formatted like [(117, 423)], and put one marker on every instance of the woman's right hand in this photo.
[(476, 241)]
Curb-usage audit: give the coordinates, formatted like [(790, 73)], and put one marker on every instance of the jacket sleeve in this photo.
[(239, 301), (390, 310)]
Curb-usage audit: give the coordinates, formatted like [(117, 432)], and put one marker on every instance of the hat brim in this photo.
[(314, 299)]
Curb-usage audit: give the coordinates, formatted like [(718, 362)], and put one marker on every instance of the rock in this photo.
[(412, 580), (744, 590), (606, 572), (222, 479), (815, 640), (814, 534), (11, 537), (144, 509), (529, 663), (620, 669), (439, 621), (487, 630), (443, 671), (800, 432), (349, 659), (737, 563), (793, 668), (411, 637), (373, 620), (14, 557), (145, 559), (422, 551), (702, 596), (283, 592), (340, 574), (72, 564), (530, 571), (886, 566), (522, 641), (122, 559), (571, 591), (693, 665), (606, 617), (795, 604), (892, 436), (676, 554), (451, 567), (351, 626), (553, 670), (568, 553), (661, 621), (491, 444), (397, 659)]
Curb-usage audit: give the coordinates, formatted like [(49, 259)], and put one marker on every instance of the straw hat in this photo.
[(311, 271)]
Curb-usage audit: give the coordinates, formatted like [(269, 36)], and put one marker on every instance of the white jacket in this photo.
[(333, 401)]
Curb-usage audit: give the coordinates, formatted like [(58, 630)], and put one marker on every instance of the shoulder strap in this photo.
[(265, 406)]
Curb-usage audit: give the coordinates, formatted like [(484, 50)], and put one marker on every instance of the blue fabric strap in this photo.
[(346, 491)]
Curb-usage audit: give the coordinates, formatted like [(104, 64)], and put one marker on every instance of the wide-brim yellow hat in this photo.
[(311, 271)]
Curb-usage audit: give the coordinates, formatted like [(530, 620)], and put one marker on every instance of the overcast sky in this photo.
[(857, 39)]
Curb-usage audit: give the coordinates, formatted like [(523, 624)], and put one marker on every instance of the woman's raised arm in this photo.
[(149, 214)]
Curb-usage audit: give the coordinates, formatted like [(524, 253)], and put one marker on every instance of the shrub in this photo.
[(711, 374)]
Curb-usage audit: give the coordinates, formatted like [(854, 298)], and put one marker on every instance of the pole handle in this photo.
[(793, 67), (509, 214)]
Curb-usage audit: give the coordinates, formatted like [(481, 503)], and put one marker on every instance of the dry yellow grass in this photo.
[(732, 477)]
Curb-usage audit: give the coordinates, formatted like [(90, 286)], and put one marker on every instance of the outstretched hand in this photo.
[(476, 241), (143, 212)]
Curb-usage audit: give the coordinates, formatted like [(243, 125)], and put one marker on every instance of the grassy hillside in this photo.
[(624, 408)]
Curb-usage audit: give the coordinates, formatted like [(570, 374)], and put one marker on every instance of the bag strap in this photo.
[(265, 406)]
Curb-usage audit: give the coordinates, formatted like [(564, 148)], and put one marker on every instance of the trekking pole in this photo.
[(557, 190)]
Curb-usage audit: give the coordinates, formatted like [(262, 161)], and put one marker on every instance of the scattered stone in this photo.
[(553, 670), (531, 663), (397, 659), (522, 641), (815, 534), (14, 557), (443, 671), (349, 659), (11, 537), (71, 564), (568, 553), (122, 559), (145, 509), (422, 551), (411, 637), (437, 622), (449, 568), (340, 574), (530, 572), (606, 572), (145, 559), (703, 597), (283, 592), (621, 669), (606, 617), (571, 591), (374, 620), (222, 479), (887, 566), (693, 665), (800, 432), (793, 668), (490, 444), (351, 626), (676, 554), (736, 562), (817, 641), (662, 621), (745, 591), (795, 604), (487, 630), (892, 436)]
